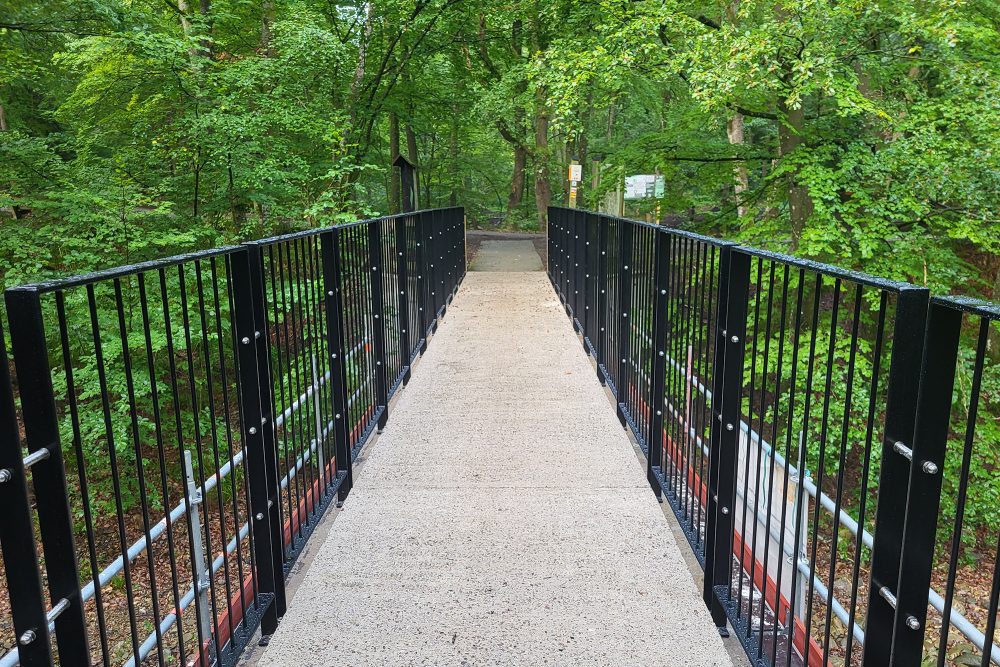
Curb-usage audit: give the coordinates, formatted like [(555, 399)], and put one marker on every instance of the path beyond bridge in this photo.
[(503, 517)]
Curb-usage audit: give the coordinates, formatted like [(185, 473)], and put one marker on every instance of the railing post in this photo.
[(463, 257), (623, 317), (890, 515), (441, 302), (403, 298), (591, 285), (567, 260), (601, 300), (257, 425), (423, 280), (377, 282), (661, 273), (330, 247), (17, 537), (454, 228), (727, 382), (937, 382), (48, 476), (550, 247), (430, 273), (579, 269)]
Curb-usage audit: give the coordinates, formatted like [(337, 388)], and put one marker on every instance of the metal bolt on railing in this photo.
[(903, 450), (888, 596), (36, 456)]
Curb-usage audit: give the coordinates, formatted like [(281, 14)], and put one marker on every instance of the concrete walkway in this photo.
[(502, 518), (507, 256)]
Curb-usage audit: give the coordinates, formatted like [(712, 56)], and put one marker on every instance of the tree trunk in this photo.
[(394, 185), (182, 6), (520, 150), (734, 129), (238, 206), (359, 76), (411, 150), (453, 155), (583, 148), (266, 21), (993, 341), (204, 26), (207, 45), (790, 126), (517, 182), (431, 153), (543, 188), (10, 210)]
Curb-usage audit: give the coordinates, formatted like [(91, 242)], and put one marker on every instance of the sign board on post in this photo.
[(575, 173), (644, 186)]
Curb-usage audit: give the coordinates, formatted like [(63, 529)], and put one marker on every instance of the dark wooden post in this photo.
[(407, 184)]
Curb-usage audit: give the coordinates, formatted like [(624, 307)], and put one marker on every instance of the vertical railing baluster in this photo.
[(900, 417), (463, 257), (567, 263), (579, 259), (403, 297), (661, 273), (48, 477), (376, 269), (549, 248), (257, 424), (17, 535), (601, 299), (421, 224), (330, 245), (727, 382), (621, 320), (590, 282), (439, 265)]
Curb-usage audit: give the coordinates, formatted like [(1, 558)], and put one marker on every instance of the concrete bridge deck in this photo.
[(502, 518)]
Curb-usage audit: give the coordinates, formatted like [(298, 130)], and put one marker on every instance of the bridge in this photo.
[(502, 517), (640, 446)]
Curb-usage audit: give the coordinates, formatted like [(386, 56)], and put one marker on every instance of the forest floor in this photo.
[(474, 238)]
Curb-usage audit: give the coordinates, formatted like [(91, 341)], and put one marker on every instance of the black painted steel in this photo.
[(793, 401), (254, 376), (220, 398), (41, 430), (377, 293), (901, 413), (730, 344), (17, 535)]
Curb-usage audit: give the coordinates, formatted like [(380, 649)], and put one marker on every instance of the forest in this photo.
[(856, 132), (864, 134)]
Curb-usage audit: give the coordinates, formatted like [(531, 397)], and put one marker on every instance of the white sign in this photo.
[(576, 173), (644, 186)]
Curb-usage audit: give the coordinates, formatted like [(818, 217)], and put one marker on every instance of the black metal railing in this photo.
[(188, 421), (799, 419)]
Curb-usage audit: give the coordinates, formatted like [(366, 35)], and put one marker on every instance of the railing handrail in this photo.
[(572, 234), (377, 263)]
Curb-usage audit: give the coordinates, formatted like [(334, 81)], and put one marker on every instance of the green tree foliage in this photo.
[(864, 134)]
